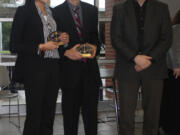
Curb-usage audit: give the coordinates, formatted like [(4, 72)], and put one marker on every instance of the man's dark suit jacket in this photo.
[(156, 42), (26, 35), (72, 70)]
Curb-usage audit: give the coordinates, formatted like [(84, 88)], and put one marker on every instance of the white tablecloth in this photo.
[(7, 64)]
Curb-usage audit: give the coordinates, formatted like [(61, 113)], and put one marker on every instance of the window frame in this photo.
[(1, 36)]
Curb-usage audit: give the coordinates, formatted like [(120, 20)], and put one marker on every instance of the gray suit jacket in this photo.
[(173, 59), (157, 39)]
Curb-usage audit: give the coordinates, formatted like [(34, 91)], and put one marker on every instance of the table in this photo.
[(108, 73), (8, 60), (103, 62), (7, 64), (105, 73), (8, 56), (9, 94), (10, 66)]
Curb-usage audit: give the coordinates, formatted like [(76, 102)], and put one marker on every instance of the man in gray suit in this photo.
[(141, 35)]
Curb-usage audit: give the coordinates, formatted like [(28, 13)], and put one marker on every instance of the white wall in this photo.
[(174, 6)]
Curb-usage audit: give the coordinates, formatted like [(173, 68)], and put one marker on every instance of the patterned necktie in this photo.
[(78, 25), (77, 22)]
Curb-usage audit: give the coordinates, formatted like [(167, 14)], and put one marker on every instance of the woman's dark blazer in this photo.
[(26, 35)]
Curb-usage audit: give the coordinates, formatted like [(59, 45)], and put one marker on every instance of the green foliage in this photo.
[(6, 30), (4, 52)]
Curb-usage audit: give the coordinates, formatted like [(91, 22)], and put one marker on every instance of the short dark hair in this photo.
[(176, 19)]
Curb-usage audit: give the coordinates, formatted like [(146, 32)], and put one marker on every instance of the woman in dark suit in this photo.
[(37, 65), (169, 110)]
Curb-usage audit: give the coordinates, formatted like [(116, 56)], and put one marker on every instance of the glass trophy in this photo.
[(55, 37), (86, 50)]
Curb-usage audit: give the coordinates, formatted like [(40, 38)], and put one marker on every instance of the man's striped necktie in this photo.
[(78, 25), (77, 22)]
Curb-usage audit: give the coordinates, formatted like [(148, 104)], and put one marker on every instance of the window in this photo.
[(54, 3), (101, 5), (89, 1), (11, 3), (5, 30), (7, 10), (102, 38)]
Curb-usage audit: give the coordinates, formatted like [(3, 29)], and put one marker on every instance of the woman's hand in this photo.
[(64, 37), (50, 45)]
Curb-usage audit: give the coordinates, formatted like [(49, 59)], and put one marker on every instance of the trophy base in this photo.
[(60, 43), (87, 55)]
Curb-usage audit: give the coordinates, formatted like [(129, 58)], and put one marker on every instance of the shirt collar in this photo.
[(72, 6), (48, 11), (136, 4), (135, 1)]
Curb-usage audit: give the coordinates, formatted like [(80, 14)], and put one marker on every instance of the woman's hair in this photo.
[(176, 19)]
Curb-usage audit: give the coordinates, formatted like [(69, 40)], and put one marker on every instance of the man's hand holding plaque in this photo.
[(87, 50), (80, 51), (73, 54)]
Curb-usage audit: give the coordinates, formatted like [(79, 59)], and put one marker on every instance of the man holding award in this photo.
[(80, 72)]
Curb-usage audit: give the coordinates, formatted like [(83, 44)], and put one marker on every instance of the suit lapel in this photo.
[(84, 18), (131, 17), (150, 13), (69, 18), (36, 17)]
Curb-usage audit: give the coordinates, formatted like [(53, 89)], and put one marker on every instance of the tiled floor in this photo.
[(104, 128), (106, 125)]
